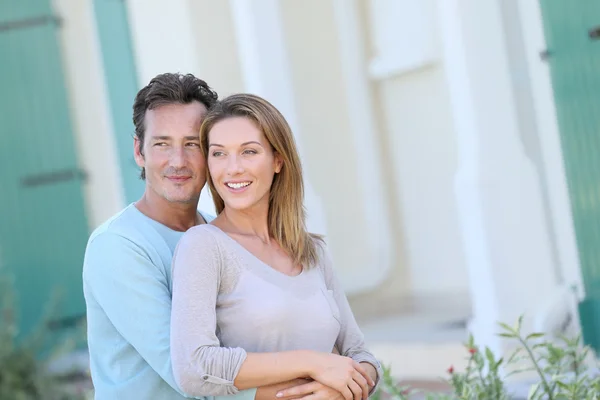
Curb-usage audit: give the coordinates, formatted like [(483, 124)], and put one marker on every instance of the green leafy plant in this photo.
[(562, 367), (481, 378), (23, 373)]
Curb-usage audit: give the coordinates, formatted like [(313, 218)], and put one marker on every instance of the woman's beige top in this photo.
[(227, 302)]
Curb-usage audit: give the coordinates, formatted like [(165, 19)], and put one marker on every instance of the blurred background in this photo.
[(450, 150)]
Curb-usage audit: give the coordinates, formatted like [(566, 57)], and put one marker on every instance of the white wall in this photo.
[(409, 122), (406, 68), (162, 38), (202, 37), (340, 139), (86, 90), (423, 144), (371, 102), (381, 129), (499, 192), (214, 38), (194, 36), (405, 140)]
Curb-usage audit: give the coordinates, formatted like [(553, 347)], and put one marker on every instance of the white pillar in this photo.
[(364, 131), (498, 192), (162, 37), (266, 72), (546, 121)]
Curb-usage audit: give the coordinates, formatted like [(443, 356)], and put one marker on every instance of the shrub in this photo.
[(23, 372), (562, 367)]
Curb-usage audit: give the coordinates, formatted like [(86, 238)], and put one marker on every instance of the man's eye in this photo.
[(160, 144), (194, 144)]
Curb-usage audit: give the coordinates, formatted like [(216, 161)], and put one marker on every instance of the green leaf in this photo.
[(519, 324), (489, 355), (562, 385), (533, 391), (535, 335), (506, 327), (498, 363), (520, 370)]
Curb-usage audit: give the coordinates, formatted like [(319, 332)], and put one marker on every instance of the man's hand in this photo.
[(269, 392), (310, 391)]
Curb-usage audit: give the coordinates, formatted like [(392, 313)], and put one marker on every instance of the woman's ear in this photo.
[(278, 163)]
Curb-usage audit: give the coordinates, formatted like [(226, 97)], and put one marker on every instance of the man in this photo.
[(127, 266)]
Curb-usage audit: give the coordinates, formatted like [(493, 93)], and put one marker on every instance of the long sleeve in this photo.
[(195, 348), (133, 294), (350, 341)]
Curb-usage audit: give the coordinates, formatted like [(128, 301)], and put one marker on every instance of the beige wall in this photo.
[(334, 158), (419, 143), (162, 38), (410, 132), (214, 40), (416, 155), (411, 127), (423, 155)]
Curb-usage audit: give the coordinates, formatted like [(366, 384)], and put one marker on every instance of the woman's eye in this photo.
[(217, 153), (249, 151)]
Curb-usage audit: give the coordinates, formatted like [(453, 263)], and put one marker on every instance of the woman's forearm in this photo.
[(262, 369)]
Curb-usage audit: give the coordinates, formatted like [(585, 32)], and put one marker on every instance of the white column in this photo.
[(364, 132), (498, 192), (541, 85), (266, 72), (162, 38)]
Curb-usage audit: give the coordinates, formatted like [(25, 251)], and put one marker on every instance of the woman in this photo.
[(255, 299)]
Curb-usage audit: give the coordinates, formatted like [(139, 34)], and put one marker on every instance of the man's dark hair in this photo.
[(167, 89)]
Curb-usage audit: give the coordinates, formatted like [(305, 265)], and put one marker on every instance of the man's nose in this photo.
[(178, 157)]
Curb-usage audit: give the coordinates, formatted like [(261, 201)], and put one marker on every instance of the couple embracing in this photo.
[(246, 304)]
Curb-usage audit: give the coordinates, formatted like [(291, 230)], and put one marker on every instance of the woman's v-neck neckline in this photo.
[(254, 257)]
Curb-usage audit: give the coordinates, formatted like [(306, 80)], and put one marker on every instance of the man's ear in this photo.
[(138, 153)]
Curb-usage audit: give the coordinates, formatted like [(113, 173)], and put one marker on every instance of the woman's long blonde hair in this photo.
[(287, 216)]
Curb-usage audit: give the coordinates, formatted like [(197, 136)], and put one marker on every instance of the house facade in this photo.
[(449, 145)]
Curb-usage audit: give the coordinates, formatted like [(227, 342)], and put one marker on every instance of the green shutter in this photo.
[(43, 228), (574, 57), (121, 80)]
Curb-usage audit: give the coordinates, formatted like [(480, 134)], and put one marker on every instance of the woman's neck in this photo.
[(252, 222)]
